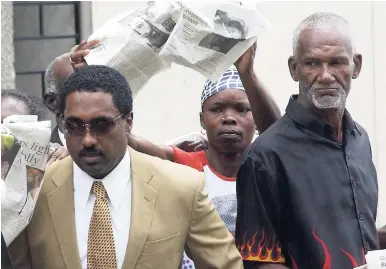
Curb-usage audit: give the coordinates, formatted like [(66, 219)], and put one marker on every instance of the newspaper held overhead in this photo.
[(24, 157), (205, 36)]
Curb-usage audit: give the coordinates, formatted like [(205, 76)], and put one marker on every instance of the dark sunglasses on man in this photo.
[(95, 126)]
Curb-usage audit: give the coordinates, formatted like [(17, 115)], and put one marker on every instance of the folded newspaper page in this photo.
[(375, 259), (205, 36), (25, 145)]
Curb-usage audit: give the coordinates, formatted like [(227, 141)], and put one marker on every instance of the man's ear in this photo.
[(292, 66), (129, 122), (51, 101), (357, 65)]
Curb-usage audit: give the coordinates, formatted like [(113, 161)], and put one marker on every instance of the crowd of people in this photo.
[(303, 194)]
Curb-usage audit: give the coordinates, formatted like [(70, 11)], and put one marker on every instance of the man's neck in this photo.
[(224, 164), (334, 117)]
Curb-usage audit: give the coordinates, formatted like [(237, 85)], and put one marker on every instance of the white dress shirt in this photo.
[(118, 188)]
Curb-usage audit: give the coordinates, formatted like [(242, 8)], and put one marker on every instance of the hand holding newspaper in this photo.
[(205, 36), (25, 144), (375, 260)]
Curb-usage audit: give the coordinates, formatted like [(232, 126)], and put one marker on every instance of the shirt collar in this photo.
[(312, 122), (115, 183)]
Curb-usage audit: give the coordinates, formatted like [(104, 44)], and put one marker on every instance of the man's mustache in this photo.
[(87, 152), (322, 87)]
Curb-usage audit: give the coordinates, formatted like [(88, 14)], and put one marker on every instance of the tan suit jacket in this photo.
[(170, 212)]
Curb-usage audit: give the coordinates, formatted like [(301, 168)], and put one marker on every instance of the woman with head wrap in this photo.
[(226, 116), (232, 108)]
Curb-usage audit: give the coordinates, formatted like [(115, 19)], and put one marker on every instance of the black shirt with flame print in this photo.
[(304, 199)]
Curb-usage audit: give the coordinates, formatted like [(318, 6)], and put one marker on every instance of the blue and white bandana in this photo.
[(229, 80)]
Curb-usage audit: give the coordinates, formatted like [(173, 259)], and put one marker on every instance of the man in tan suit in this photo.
[(108, 206)]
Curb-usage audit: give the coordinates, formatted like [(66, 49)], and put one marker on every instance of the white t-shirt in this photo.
[(222, 192)]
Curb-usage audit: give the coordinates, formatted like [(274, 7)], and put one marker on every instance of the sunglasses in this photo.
[(96, 126)]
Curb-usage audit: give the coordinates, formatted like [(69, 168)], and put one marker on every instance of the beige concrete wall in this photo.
[(168, 105), (7, 49)]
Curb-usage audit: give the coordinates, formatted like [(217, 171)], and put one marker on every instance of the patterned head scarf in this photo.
[(229, 80)]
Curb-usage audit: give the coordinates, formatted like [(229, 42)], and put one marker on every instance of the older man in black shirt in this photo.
[(307, 189)]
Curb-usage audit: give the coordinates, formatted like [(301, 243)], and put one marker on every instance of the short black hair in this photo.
[(34, 104), (99, 78)]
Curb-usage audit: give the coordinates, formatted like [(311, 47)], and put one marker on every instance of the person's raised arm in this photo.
[(264, 108), (147, 147)]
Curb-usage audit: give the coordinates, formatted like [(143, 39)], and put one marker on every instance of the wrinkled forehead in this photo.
[(330, 39)]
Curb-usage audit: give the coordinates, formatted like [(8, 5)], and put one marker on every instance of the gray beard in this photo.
[(328, 102)]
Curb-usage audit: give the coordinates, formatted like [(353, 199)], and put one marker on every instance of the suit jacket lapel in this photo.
[(142, 207), (61, 207)]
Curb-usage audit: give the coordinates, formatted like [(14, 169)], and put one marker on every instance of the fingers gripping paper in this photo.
[(25, 145), (205, 36)]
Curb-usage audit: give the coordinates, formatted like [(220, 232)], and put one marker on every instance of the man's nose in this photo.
[(229, 119), (326, 74), (88, 139)]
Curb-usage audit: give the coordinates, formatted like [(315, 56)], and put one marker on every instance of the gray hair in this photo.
[(50, 83), (49, 79), (322, 20)]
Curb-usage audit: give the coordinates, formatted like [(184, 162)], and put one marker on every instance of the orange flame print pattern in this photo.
[(328, 260), (267, 248)]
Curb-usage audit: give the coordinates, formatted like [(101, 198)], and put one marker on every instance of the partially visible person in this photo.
[(232, 108), (56, 74), (109, 206), (307, 189), (14, 102)]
